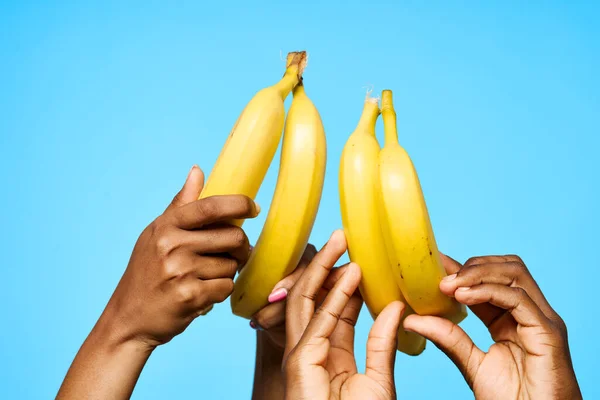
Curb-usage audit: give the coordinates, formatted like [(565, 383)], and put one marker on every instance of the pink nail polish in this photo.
[(253, 325), (278, 295)]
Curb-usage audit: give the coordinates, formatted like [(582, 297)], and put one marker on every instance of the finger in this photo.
[(301, 299), (343, 336), (382, 343), (270, 316), (515, 300), (191, 188), (216, 290), (479, 260), (485, 312), (450, 265), (214, 209), (282, 288), (217, 239), (328, 314), (451, 339), (274, 314), (508, 273), (211, 267)]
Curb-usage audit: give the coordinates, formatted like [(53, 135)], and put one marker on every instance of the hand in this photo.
[(319, 358), (181, 265), (271, 318), (530, 359)]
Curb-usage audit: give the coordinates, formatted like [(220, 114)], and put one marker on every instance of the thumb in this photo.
[(191, 189), (450, 265), (451, 339), (381, 345)]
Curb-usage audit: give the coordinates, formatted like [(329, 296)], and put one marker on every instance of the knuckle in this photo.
[(520, 294), (230, 266), (185, 294), (328, 312), (172, 269), (514, 258), (474, 261), (560, 325), (164, 241), (208, 208), (238, 237), (229, 287)]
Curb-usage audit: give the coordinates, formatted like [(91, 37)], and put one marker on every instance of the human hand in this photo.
[(271, 318), (530, 358), (182, 264), (319, 358)]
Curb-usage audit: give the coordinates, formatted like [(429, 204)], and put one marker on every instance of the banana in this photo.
[(409, 235), (293, 209), (359, 201), (251, 145)]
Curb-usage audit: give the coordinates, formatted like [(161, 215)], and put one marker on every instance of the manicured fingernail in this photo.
[(278, 295), (255, 326), (257, 208), (449, 278), (463, 289)]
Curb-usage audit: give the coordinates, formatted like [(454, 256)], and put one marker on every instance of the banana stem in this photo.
[(296, 62), (388, 114), (369, 116), (299, 89)]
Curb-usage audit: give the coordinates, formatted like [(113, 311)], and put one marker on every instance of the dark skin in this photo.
[(270, 336), (530, 358), (319, 360), (182, 264)]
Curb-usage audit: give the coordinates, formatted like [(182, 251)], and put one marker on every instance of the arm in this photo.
[(182, 264), (270, 335), (106, 367), (268, 377)]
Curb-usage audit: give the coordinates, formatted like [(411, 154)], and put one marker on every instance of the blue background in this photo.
[(104, 107)]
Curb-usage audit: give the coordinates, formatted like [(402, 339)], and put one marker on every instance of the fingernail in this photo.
[(257, 208), (463, 289), (255, 326), (278, 295), (449, 278), (190, 172)]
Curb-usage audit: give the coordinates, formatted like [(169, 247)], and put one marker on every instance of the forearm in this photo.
[(106, 367), (268, 377)]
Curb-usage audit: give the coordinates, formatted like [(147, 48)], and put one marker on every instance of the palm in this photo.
[(339, 379), (529, 358), (360, 386), (516, 360)]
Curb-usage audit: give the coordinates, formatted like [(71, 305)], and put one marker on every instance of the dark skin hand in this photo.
[(530, 358), (182, 264), (319, 360), (270, 336)]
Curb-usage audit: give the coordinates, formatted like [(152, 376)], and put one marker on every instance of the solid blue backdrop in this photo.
[(104, 107)]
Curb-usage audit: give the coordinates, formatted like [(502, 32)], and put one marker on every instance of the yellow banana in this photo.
[(293, 209), (410, 241), (359, 201), (249, 150)]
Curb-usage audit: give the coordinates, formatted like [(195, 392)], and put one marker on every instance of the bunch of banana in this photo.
[(387, 225), (243, 164), (293, 209), (249, 150), (410, 240), (360, 204)]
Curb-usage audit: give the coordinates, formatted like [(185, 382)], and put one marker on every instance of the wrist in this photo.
[(113, 336), (266, 347)]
